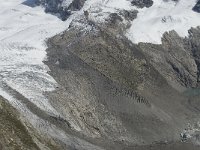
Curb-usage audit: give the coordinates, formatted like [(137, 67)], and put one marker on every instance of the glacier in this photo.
[(23, 31)]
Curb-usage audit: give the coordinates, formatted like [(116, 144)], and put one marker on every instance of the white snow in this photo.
[(152, 22), (23, 31)]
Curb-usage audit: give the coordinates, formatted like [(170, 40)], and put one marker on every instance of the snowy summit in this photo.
[(153, 19)]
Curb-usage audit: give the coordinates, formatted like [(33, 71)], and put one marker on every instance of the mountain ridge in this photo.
[(120, 75)]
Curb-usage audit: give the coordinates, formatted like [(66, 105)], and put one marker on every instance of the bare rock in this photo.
[(142, 3), (197, 7)]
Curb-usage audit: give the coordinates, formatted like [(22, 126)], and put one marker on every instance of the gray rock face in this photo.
[(142, 3), (59, 7), (129, 15), (177, 58), (194, 43), (197, 7)]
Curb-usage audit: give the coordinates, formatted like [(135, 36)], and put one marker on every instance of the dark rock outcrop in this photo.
[(129, 15), (197, 7), (59, 7), (76, 5), (194, 43), (178, 59), (142, 3)]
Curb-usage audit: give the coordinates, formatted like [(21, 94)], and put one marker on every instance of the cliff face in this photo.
[(177, 59)]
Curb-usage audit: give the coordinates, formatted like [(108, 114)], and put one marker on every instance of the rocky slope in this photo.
[(127, 94), (15, 133)]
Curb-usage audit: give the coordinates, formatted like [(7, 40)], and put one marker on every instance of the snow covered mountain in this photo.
[(101, 74), (154, 17)]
